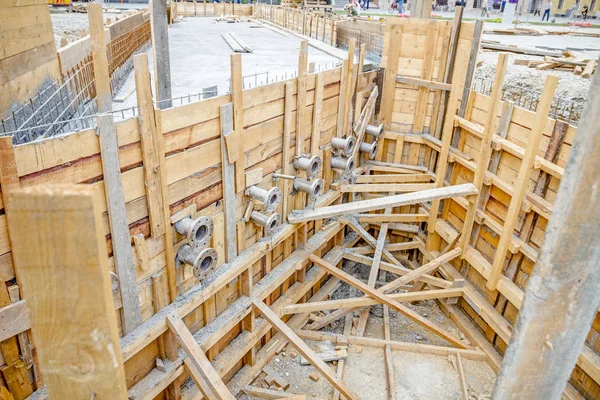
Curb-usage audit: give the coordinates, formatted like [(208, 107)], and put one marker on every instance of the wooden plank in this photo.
[(228, 171), (444, 351), (160, 48), (303, 349), (382, 202), (202, 368), (520, 185), (117, 214), (427, 268), (486, 150), (390, 378), (409, 80), (301, 96), (384, 299), (565, 277), (152, 175), (285, 154), (385, 187), (238, 117), (464, 392), (53, 217), (381, 218), (316, 121), (426, 74), (367, 301), (101, 71), (392, 45), (394, 178)]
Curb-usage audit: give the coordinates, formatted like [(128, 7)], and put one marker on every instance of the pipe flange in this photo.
[(374, 130), (273, 199), (345, 145), (205, 263), (370, 149), (345, 165)]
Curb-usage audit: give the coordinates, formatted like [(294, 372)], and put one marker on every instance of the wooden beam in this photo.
[(381, 218), (486, 150), (131, 313), (565, 277), (316, 120), (160, 49), (202, 368), (394, 178), (428, 268), (371, 240), (522, 180), (238, 119), (81, 357), (385, 187), (301, 97), (150, 157), (464, 390), (409, 80), (368, 301), (228, 171), (392, 44), (271, 394), (443, 351), (303, 349), (100, 58), (377, 204), (390, 378), (384, 299)]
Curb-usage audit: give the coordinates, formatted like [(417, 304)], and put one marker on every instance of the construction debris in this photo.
[(583, 67)]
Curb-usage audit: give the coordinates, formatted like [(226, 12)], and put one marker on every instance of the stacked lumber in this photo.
[(517, 31), (236, 43), (583, 67)]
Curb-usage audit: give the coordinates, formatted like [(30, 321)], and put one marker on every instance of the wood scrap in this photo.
[(236, 46), (327, 356)]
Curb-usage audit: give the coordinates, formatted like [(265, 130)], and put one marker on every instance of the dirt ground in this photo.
[(417, 376)]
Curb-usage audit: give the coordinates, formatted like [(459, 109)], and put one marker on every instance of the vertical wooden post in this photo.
[(285, 155), (563, 291), (301, 102), (152, 173), (316, 123), (238, 118), (520, 185), (14, 371), (349, 85), (228, 171), (392, 45), (486, 150), (101, 72), (75, 330), (426, 74), (160, 51), (341, 97)]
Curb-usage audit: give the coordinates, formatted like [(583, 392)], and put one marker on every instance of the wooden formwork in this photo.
[(503, 165), (212, 9), (187, 141)]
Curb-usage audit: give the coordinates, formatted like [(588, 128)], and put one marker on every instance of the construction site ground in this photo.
[(417, 376)]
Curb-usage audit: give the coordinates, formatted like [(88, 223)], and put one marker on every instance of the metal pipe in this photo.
[(314, 189), (268, 222), (344, 164), (270, 198), (344, 145), (370, 149), (312, 165), (198, 232), (203, 261), (374, 130)]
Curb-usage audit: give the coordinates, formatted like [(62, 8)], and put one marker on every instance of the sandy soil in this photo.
[(417, 376)]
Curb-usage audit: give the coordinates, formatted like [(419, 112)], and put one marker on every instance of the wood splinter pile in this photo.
[(583, 67)]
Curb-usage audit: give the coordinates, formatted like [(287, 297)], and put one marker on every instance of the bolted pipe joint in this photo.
[(312, 165), (198, 232), (203, 261), (270, 198), (343, 164), (370, 149), (345, 145), (374, 130), (268, 222), (313, 188)]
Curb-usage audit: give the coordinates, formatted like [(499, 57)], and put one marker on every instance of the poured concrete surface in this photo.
[(200, 57)]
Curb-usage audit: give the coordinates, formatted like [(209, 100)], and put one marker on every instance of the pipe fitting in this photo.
[(370, 149), (203, 261), (270, 198), (313, 188), (198, 232), (345, 145), (312, 165), (268, 222), (343, 164), (374, 130)]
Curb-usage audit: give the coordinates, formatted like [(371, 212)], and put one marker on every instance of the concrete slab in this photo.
[(200, 57)]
